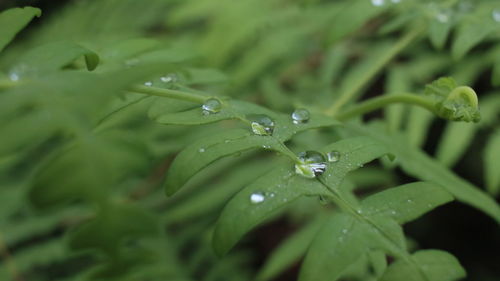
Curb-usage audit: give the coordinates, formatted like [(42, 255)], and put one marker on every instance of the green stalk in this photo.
[(367, 76), (382, 101)]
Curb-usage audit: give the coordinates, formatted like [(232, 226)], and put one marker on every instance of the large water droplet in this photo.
[(333, 156), (300, 115), (496, 15), (211, 106), (378, 3), (262, 125), (312, 164), (257, 197)]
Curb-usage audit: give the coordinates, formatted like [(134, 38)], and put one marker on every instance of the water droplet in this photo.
[(257, 197), (266, 146), (211, 106), (378, 3), (169, 78), (496, 15), (201, 150), (148, 83), (14, 76), (409, 201), (443, 16), (312, 164), (300, 115), (345, 230), (393, 212), (132, 62), (262, 125), (272, 194), (333, 156), (359, 211)]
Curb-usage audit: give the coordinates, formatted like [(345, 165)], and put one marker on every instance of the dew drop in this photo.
[(409, 201), (257, 197), (359, 211), (201, 150), (333, 156), (132, 62), (262, 125), (211, 106), (393, 212), (266, 146), (496, 15), (148, 83), (443, 16), (13, 76), (169, 78), (344, 230), (378, 3), (300, 115), (312, 164)]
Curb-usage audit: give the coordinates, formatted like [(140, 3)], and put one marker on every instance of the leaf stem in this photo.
[(379, 102), (368, 75), (167, 93)]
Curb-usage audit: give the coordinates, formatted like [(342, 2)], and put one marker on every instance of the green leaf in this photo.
[(491, 155), (53, 56), (111, 227), (290, 251), (209, 149), (258, 201), (454, 142), (418, 164), (434, 264), (13, 20), (471, 34), (340, 242), (438, 32), (282, 186), (406, 202), (87, 170)]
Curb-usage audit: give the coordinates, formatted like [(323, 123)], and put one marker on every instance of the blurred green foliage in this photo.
[(106, 104)]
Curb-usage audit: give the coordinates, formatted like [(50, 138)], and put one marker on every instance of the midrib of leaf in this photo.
[(355, 212)]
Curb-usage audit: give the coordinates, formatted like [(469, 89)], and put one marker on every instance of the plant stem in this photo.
[(167, 93), (368, 75), (379, 102)]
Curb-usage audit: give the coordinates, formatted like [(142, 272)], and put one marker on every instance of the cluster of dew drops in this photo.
[(312, 163)]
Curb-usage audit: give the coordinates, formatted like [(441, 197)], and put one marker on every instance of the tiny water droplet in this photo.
[(262, 125), (333, 156), (227, 141), (378, 3), (409, 201), (201, 150), (272, 194), (443, 16), (312, 164), (496, 15), (300, 115), (132, 62), (211, 106), (13, 76), (359, 211), (169, 78), (257, 197), (393, 212), (266, 146), (344, 230), (148, 83)]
